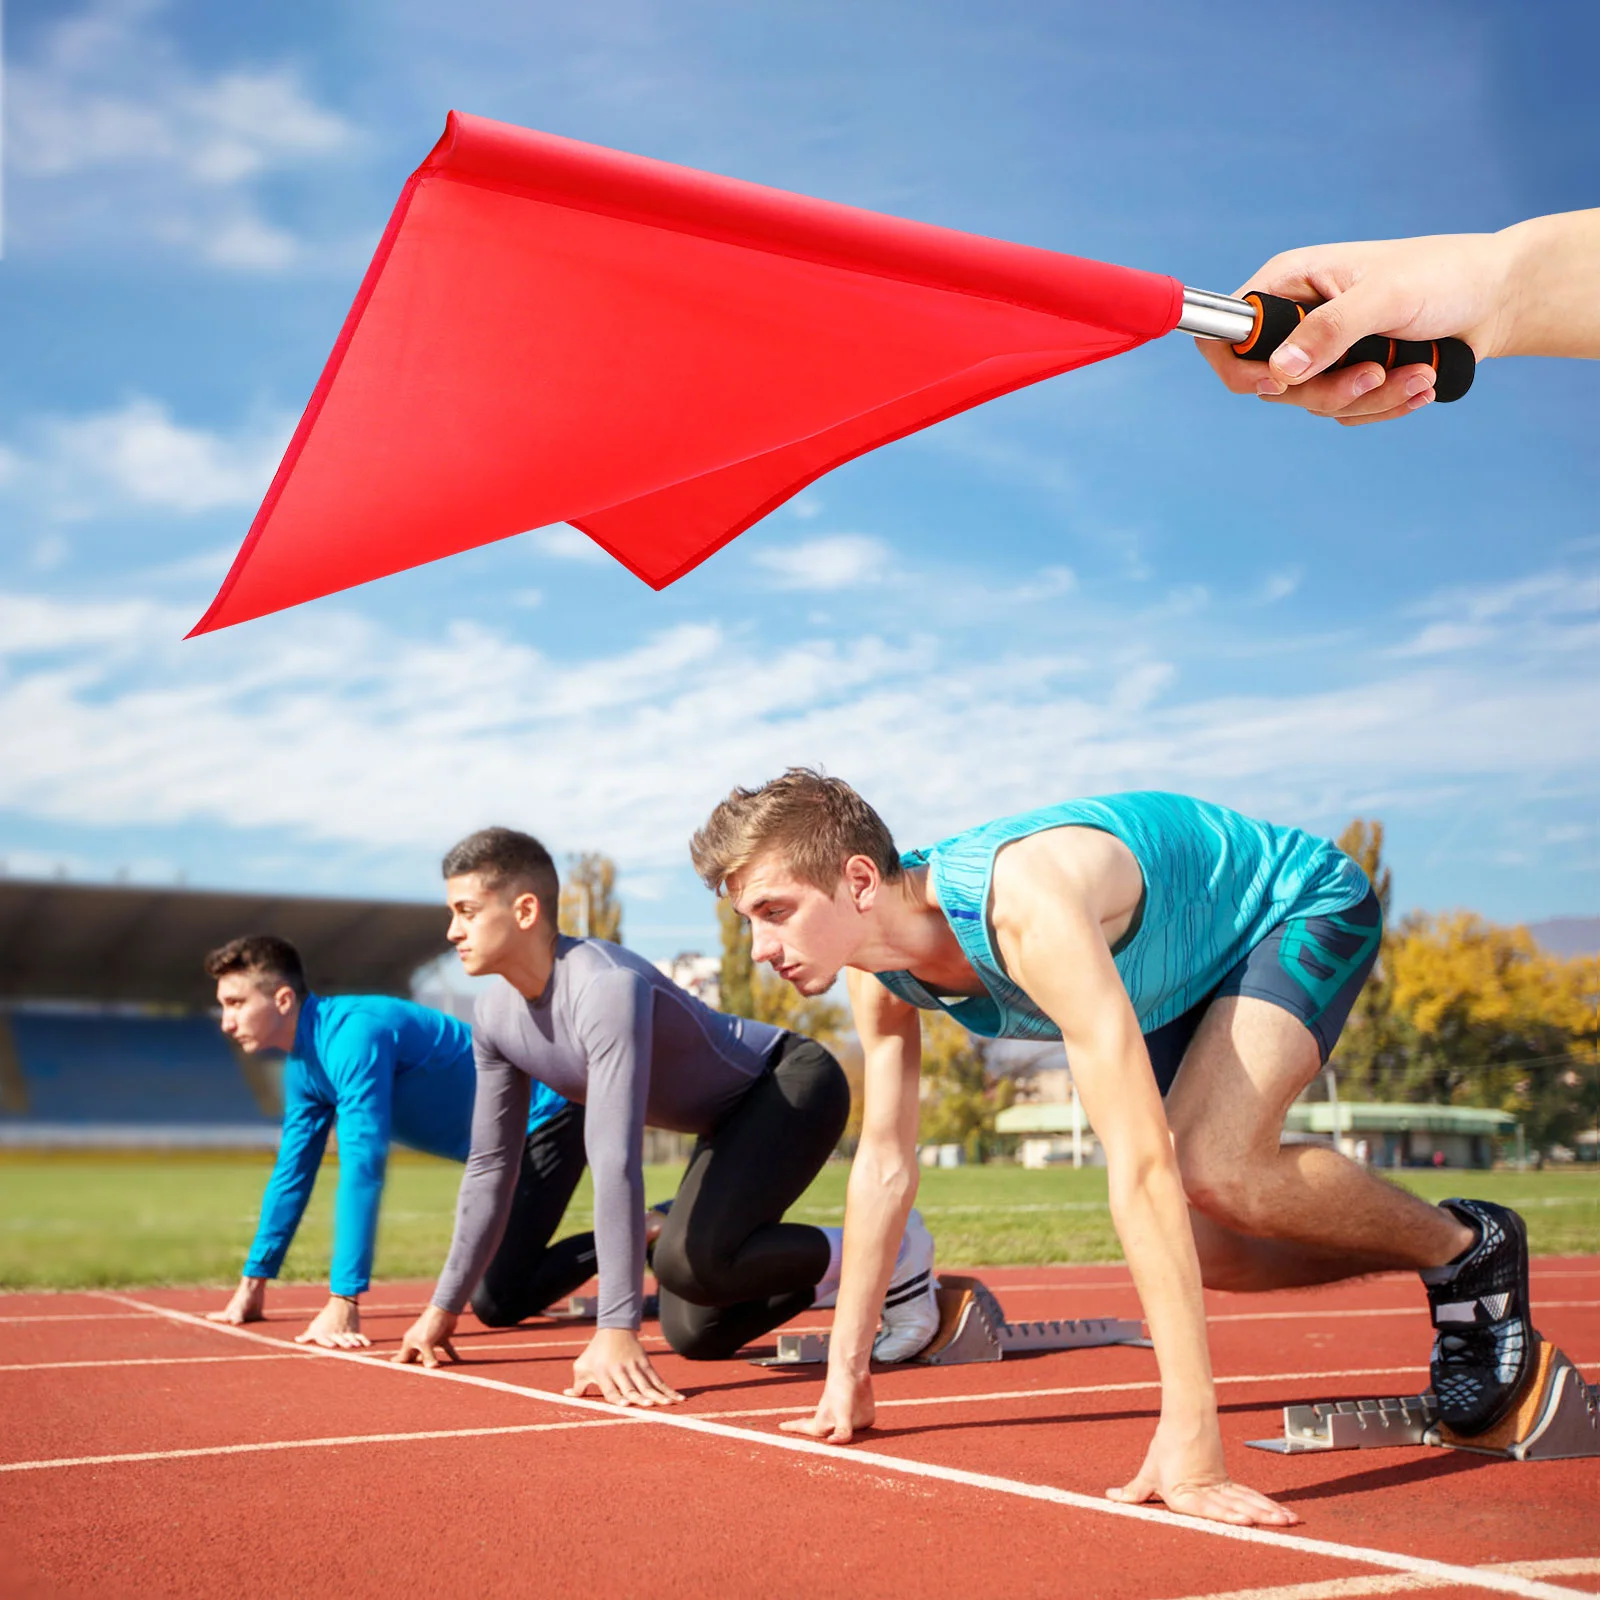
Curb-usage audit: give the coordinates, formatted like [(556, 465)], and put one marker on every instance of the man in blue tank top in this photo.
[(1198, 967), (375, 1068)]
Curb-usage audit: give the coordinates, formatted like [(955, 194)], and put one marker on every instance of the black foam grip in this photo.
[(1452, 360)]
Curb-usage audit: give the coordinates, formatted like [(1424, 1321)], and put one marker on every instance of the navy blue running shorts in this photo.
[(1313, 967)]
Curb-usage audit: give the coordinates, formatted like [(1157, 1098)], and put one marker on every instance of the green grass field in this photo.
[(104, 1221)]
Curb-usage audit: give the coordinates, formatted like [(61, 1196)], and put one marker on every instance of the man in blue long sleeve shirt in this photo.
[(376, 1069)]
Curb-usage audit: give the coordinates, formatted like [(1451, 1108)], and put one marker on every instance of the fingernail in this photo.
[(1418, 401), (1269, 386), (1423, 380), (1367, 382), (1291, 360)]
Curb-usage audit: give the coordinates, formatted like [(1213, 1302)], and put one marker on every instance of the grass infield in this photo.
[(78, 1221)]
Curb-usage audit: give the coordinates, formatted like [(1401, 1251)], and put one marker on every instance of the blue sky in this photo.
[(1122, 578)]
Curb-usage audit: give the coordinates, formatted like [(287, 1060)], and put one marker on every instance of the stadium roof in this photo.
[(103, 942)]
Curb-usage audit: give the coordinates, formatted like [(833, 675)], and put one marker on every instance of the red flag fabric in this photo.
[(553, 332)]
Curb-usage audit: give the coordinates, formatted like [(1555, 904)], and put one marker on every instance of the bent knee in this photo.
[(492, 1313), (1226, 1189), (701, 1344)]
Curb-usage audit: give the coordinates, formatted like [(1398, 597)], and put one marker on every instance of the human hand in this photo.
[(1446, 286), (337, 1326), (845, 1409), (615, 1363), (427, 1340), (1189, 1474), (245, 1306)]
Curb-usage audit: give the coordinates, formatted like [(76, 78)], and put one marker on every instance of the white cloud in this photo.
[(333, 731), (835, 561), (1279, 586), (138, 455), (114, 137)]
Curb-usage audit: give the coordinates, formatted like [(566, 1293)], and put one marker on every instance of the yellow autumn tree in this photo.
[(590, 908), (1371, 1056), (960, 1098), (1493, 1021)]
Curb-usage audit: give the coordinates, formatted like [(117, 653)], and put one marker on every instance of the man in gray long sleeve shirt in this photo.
[(603, 1027), (634, 1049)]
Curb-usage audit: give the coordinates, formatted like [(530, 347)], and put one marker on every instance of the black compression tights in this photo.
[(529, 1273), (729, 1268)]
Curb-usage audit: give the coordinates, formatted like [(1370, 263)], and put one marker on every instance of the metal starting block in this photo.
[(1557, 1418), (586, 1308), (972, 1327)]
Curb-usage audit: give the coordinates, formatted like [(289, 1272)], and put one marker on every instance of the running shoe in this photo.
[(1484, 1346), (911, 1306)]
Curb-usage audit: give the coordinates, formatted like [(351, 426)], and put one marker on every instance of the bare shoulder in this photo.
[(1043, 868), (873, 1007)]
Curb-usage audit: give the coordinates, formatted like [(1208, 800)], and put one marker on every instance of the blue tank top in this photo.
[(1215, 884)]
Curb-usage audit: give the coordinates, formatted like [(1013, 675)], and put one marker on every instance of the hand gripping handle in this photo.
[(1276, 318)]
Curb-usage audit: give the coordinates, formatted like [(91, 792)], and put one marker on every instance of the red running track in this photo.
[(145, 1453)]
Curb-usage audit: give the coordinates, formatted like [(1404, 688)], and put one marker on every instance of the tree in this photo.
[(751, 991), (589, 905), (959, 1097), (1372, 1049), (1494, 1021)]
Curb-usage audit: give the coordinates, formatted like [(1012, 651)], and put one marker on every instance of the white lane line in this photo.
[(1408, 1583), (298, 1444), (844, 1455), (1085, 1388), (293, 1353), (84, 1316), (1386, 1311)]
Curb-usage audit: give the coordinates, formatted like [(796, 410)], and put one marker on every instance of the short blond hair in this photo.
[(811, 822)]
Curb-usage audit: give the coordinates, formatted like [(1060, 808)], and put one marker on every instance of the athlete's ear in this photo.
[(283, 998), (527, 910), (862, 881)]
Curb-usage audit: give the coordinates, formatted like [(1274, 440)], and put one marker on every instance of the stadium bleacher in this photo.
[(108, 1027), (83, 1076)]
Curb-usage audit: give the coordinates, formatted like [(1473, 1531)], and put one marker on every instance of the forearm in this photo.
[(282, 1206), (1151, 1217), (355, 1221), (878, 1199), (1552, 303), (619, 1241), (499, 1123)]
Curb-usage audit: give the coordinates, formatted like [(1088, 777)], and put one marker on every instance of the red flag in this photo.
[(553, 332)]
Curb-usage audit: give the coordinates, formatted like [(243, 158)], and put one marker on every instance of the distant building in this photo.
[(1405, 1135)]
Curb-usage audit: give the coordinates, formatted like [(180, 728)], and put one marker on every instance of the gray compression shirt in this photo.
[(618, 1037)]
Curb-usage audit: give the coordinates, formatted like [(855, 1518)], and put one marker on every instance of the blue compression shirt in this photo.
[(379, 1069), (1215, 884)]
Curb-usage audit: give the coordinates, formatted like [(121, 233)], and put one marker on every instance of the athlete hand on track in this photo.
[(1193, 1479), (616, 1364), (337, 1326), (845, 1409), (427, 1340), (246, 1304), (1452, 285)]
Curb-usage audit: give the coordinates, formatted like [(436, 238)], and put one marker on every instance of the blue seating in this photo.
[(88, 1067)]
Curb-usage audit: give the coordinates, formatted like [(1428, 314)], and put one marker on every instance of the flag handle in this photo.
[(1257, 324)]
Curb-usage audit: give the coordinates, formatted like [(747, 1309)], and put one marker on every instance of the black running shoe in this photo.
[(1484, 1344)]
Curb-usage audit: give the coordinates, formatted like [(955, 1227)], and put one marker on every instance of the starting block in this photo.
[(972, 1327), (1557, 1419), (586, 1308)]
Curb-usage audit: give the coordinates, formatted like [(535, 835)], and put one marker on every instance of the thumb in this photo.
[(1142, 1488), (1369, 306)]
